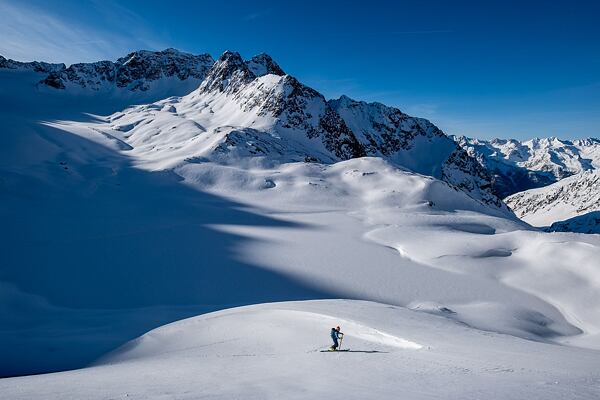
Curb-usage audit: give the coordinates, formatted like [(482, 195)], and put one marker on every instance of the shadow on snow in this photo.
[(96, 252)]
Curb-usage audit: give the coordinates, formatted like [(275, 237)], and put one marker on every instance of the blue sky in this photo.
[(481, 68)]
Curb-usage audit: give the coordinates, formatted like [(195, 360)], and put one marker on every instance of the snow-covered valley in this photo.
[(122, 218)]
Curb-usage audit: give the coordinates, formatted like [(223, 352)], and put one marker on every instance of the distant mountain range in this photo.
[(574, 202), (547, 182), (518, 166), (228, 109)]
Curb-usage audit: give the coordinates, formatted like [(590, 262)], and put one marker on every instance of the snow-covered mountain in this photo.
[(518, 166), (124, 210), (136, 71), (258, 97), (572, 197), (250, 109), (414, 143)]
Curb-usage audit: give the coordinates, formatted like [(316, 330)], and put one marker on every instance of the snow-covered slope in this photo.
[(568, 198), (415, 143), (272, 351), (153, 249), (248, 190), (518, 166)]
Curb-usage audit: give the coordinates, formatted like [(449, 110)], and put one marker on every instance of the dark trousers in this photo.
[(335, 342)]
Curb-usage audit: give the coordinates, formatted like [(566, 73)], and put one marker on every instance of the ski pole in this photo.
[(341, 338)]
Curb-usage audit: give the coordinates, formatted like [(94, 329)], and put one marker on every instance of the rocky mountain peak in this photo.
[(263, 64), (343, 101), (227, 74)]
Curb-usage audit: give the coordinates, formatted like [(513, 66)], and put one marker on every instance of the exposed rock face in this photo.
[(466, 174), (263, 64), (293, 106), (383, 130), (228, 74)]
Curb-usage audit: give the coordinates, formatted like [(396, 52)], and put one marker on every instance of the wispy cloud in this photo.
[(31, 33), (256, 15), (424, 110)]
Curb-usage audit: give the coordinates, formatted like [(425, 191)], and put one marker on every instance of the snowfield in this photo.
[(273, 350), (120, 221)]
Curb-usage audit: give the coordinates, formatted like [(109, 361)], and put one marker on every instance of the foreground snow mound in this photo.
[(267, 329), (273, 351), (566, 199)]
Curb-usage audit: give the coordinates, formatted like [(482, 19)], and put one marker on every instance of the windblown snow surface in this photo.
[(109, 237)]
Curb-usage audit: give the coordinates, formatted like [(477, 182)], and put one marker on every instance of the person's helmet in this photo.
[(337, 329)]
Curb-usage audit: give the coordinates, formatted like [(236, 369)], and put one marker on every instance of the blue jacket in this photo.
[(334, 334)]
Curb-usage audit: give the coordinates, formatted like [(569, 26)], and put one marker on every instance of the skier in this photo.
[(335, 335)]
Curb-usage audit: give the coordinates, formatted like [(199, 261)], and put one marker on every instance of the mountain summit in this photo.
[(253, 108)]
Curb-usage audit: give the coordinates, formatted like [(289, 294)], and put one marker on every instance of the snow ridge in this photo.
[(133, 72)]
